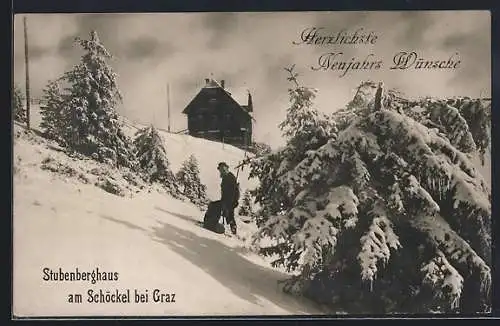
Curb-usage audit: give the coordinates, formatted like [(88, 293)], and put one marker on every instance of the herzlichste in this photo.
[(314, 36)]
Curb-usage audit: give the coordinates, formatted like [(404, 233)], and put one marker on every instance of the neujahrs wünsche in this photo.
[(336, 61), (344, 63)]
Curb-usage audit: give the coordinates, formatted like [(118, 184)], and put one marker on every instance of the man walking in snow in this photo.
[(229, 196)]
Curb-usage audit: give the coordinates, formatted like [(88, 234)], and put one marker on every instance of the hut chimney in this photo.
[(379, 96), (250, 104), (207, 80), (222, 83)]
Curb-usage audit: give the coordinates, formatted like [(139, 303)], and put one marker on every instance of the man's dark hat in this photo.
[(221, 164)]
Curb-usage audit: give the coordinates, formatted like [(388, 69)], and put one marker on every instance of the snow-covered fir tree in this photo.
[(246, 207), (383, 211), (152, 158), (306, 128), (260, 148), (18, 107), (465, 122), (52, 112), (91, 122), (188, 178)]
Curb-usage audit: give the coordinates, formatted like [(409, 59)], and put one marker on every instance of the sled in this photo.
[(212, 217), (218, 228)]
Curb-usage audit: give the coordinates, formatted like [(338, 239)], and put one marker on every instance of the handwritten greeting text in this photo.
[(344, 63)]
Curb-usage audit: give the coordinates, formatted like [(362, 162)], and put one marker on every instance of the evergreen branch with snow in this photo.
[(18, 107), (444, 279)]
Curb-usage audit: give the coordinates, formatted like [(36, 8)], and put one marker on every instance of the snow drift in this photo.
[(62, 220)]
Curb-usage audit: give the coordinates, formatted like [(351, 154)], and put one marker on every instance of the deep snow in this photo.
[(149, 238), (208, 153)]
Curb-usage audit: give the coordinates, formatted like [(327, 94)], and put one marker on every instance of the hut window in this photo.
[(227, 121), (213, 121), (193, 122)]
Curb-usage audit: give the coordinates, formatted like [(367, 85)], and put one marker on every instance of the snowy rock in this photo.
[(110, 185)]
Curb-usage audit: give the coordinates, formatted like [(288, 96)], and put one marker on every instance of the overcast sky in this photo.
[(249, 51)]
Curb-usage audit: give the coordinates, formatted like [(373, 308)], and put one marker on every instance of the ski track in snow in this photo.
[(151, 240)]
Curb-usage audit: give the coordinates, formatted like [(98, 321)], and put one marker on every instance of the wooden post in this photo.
[(168, 105), (26, 61), (245, 139)]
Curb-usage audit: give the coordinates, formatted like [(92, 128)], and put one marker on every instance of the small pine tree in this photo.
[(18, 107), (51, 111), (152, 158), (246, 207), (189, 180)]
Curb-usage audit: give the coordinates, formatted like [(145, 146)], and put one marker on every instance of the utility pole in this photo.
[(26, 61), (168, 105)]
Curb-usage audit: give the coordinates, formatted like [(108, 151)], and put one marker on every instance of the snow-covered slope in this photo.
[(208, 153), (149, 239), (179, 147)]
